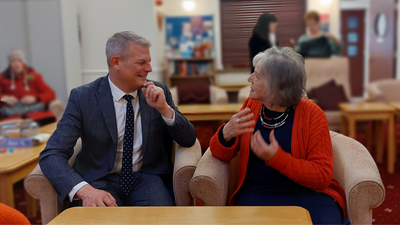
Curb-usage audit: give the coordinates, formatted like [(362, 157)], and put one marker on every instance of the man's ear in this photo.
[(115, 62)]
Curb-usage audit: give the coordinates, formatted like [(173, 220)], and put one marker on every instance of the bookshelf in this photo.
[(191, 70)]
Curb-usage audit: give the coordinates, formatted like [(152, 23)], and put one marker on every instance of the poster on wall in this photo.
[(324, 22), (189, 36)]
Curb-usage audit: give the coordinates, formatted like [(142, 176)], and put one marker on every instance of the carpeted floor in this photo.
[(387, 213)]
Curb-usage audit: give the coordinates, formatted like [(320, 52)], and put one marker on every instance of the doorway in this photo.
[(353, 35)]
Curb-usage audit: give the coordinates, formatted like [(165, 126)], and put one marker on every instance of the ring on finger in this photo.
[(154, 88), (238, 120)]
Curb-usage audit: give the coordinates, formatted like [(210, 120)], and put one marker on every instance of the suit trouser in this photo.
[(148, 190)]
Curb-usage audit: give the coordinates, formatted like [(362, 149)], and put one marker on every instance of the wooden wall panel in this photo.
[(238, 18)]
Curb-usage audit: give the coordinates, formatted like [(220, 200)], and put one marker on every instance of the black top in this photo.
[(257, 45)]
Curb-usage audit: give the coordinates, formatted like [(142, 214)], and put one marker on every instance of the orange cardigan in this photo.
[(311, 161)]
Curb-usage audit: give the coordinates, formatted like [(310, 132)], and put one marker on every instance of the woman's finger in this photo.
[(246, 130), (246, 117), (247, 124), (242, 113), (272, 138)]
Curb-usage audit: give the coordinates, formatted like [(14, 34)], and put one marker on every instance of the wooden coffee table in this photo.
[(202, 112), (184, 215), (371, 111), (396, 105), (16, 165)]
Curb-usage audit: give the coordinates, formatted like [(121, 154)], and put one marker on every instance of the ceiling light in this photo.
[(188, 5)]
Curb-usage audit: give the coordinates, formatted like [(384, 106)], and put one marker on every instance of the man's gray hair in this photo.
[(284, 71), (119, 42)]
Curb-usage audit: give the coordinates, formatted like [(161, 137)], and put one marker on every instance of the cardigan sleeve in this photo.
[(225, 151), (316, 170)]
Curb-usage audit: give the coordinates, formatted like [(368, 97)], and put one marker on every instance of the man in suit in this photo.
[(127, 125)]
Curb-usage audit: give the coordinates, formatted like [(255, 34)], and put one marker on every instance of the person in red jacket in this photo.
[(284, 142), (23, 92)]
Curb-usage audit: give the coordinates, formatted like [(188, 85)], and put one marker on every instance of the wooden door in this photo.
[(353, 33), (381, 47)]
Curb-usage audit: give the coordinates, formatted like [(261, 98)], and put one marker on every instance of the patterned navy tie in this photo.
[(126, 176)]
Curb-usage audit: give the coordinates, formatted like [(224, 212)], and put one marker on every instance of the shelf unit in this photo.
[(190, 71)]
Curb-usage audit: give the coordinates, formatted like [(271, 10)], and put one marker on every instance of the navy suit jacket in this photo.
[(90, 115)]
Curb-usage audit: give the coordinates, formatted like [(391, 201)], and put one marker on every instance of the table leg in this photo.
[(6, 191), (379, 141), (368, 135), (352, 127), (31, 211), (343, 127), (391, 145)]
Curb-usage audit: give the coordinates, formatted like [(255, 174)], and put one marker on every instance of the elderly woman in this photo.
[(286, 150), (23, 92)]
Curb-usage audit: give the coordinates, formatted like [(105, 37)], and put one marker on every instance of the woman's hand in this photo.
[(9, 100), (261, 149), (239, 124)]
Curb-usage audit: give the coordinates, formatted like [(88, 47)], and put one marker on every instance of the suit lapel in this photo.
[(145, 113), (105, 100)]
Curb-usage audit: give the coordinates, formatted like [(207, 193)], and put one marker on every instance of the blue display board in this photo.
[(184, 33)]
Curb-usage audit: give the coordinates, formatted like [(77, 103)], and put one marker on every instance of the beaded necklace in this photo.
[(285, 115)]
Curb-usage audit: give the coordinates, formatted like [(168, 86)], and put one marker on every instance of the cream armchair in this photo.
[(57, 108), (184, 160), (384, 91), (214, 180), (217, 95)]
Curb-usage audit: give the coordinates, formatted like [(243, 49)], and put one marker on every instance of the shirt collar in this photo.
[(117, 93)]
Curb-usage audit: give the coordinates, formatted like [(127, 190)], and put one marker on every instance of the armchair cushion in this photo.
[(328, 96)]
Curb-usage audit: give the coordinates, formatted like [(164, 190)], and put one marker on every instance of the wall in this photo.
[(35, 27), (106, 18), (71, 46), (334, 13)]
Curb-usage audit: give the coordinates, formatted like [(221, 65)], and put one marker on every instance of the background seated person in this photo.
[(286, 149), (23, 92), (316, 43)]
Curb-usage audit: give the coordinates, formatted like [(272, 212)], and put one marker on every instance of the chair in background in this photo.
[(214, 180), (57, 108), (322, 70), (217, 95), (184, 160), (384, 91)]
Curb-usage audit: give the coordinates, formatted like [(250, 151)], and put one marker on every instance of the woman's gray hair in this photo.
[(119, 42), (284, 71)]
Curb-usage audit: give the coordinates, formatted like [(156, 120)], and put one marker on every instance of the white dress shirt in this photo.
[(120, 114)]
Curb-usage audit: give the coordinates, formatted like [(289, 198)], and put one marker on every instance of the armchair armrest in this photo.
[(39, 187), (57, 108), (358, 175), (185, 162), (210, 181)]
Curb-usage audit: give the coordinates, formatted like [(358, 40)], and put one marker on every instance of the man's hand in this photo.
[(29, 99), (155, 97), (9, 100), (240, 123), (263, 150), (92, 197)]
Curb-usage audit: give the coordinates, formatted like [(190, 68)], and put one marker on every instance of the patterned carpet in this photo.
[(387, 213)]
